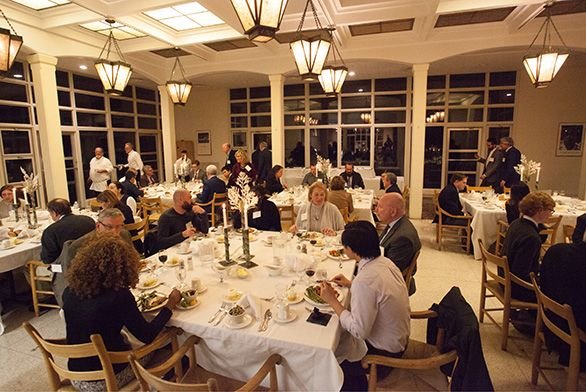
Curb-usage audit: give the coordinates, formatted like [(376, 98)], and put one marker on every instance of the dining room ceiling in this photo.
[(374, 36)]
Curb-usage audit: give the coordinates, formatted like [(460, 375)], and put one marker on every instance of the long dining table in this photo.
[(307, 349)]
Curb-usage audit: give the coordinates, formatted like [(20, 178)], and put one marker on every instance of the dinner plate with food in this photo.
[(149, 282), (233, 295), (312, 296), (173, 262), (188, 300), (310, 235), (338, 254), (148, 302)]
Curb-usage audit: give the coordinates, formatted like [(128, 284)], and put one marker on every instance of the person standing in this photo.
[(133, 161), (182, 166), (511, 158), (230, 155), (262, 160), (243, 165), (492, 163), (100, 170)]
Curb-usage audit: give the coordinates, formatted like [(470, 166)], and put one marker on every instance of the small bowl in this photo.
[(236, 315), (274, 270)]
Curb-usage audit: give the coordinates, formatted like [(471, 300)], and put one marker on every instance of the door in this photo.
[(463, 145)]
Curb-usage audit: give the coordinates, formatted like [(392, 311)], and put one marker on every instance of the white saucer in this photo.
[(246, 320), (167, 264), (202, 290), (195, 305), (36, 240), (298, 299), (292, 316)]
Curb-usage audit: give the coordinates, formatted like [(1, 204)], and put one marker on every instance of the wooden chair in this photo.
[(410, 270), (214, 207), (140, 227), (345, 214), (499, 287), (548, 307), (288, 216), (552, 225), (501, 233), (406, 192), (151, 209), (36, 290), (444, 230), (470, 188), (60, 377), (419, 365), (568, 233), (150, 379)]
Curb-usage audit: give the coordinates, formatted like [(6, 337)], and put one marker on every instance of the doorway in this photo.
[(463, 145)]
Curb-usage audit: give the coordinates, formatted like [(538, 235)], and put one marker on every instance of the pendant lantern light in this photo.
[(332, 76), (260, 19), (178, 89), (10, 45), (113, 74)]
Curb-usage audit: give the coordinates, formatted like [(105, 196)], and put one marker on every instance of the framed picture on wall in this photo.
[(239, 139), (570, 140), (204, 143)]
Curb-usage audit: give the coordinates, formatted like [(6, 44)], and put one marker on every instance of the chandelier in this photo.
[(10, 45), (332, 76), (113, 74), (260, 19), (311, 50), (543, 67), (178, 90)]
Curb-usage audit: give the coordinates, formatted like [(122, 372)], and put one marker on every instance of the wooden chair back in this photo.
[(217, 201), (36, 288), (501, 233), (94, 205), (552, 225), (150, 206), (410, 270), (345, 214), (140, 227), (471, 188), (490, 265), (288, 216), (568, 233), (444, 230), (547, 307), (405, 192)]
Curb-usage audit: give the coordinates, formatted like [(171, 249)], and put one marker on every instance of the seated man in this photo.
[(226, 172), (130, 185), (181, 221), (399, 240), (110, 220), (313, 176), (389, 181), (196, 174), (66, 226), (449, 200), (211, 186), (379, 309), (353, 179), (149, 177)]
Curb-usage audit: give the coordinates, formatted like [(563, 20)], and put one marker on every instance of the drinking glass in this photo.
[(162, 257), (299, 267), (310, 271), (181, 274), (321, 275), (218, 269)]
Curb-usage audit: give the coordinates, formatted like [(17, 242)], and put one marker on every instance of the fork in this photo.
[(225, 312), (265, 323), (222, 308)]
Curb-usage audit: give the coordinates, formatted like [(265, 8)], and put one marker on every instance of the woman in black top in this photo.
[(98, 301), (518, 192), (108, 199), (265, 216), (273, 184)]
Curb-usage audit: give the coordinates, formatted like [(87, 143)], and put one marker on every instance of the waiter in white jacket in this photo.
[(100, 171), (134, 160)]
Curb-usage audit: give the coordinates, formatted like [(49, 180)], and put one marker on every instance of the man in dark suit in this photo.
[(65, 227), (130, 187), (353, 179), (211, 186), (389, 181), (196, 173), (230, 155), (449, 199), (262, 160), (491, 174), (399, 239), (149, 177), (511, 158)]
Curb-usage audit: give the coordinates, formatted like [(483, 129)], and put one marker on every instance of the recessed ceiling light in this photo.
[(19, 76), (360, 90), (185, 16), (41, 4), (84, 67), (351, 73)]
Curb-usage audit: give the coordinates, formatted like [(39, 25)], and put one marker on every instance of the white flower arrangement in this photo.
[(240, 195), (323, 165), (528, 168), (31, 182)]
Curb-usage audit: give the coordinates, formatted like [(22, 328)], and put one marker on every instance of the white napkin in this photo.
[(253, 302), (3, 233)]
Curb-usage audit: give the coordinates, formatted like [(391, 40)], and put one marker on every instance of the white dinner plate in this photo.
[(308, 300), (292, 316), (195, 305), (141, 286), (7, 247), (246, 320), (170, 264), (184, 252), (159, 306)]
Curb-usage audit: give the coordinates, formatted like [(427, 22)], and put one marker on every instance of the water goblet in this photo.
[(181, 274)]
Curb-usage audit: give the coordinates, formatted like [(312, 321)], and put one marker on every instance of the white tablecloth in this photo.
[(307, 349), (294, 177), (165, 191), (486, 216)]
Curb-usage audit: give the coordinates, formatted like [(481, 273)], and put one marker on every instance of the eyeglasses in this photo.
[(111, 227)]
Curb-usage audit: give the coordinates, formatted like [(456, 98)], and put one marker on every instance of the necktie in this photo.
[(383, 237)]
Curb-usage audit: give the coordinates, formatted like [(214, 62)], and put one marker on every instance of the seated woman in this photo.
[(318, 214), (379, 310), (118, 190), (274, 184), (98, 301), (518, 192), (338, 195), (7, 200), (243, 165), (264, 217), (108, 199)]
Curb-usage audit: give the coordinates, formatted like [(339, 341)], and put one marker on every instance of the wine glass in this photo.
[(162, 257), (321, 275), (181, 274), (218, 269), (299, 268), (310, 271)]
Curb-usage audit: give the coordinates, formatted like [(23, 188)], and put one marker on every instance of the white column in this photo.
[(168, 131), (45, 84), (418, 139), (277, 119)]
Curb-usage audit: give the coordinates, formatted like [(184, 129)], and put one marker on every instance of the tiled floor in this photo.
[(22, 369)]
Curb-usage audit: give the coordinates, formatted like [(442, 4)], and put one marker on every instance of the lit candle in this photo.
[(245, 216), (25, 198), (538, 172), (521, 169), (14, 199), (225, 215)]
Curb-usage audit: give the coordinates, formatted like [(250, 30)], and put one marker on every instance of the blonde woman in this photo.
[(318, 214), (243, 165)]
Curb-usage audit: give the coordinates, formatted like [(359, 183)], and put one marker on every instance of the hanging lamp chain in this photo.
[(316, 19), (108, 45), (547, 33), (7, 21), (177, 61)]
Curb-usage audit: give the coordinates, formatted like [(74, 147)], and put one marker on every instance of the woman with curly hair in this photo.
[(98, 301)]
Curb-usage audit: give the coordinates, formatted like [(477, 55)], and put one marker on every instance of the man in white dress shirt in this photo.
[(134, 160), (100, 170)]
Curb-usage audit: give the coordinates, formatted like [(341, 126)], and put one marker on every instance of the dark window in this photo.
[(503, 78), (327, 103), (127, 91), (356, 102), (14, 114), (324, 118), (394, 117), (121, 105), (146, 108), (64, 98), (397, 100), (294, 105), (238, 108), (89, 84), (13, 92), (146, 94), (432, 171), (356, 86), (436, 82), (501, 96), (316, 89), (464, 140), (62, 78), (294, 119), (147, 123), (13, 168), (237, 93), (67, 150), (500, 114), (122, 121), (260, 107), (294, 148), (465, 115), (392, 84), (89, 101), (66, 117), (17, 71), (16, 142), (239, 122), (467, 80), (436, 99), (356, 117), (435, 116), (466, 98), (148, 143), (91, 119), (260, 121), (260, 92), (294, 90), (498, 132)]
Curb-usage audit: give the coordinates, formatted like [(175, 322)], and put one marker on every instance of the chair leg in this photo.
[(482, 303), (536, 362), (372, 378), (505, 327), (33, 282), (573, 369)]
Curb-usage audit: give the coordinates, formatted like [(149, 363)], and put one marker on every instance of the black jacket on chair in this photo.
[(462, 334)]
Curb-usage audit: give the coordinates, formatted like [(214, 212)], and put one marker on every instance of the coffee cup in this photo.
[(236, 315), (282, 311), (196, 284)]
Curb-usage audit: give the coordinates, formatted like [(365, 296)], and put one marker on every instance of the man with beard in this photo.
[(181, 221)]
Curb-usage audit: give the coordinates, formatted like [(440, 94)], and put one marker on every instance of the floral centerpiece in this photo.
[(243, 198), (31, 184), (182, 170), (528, 168), (323, 165)]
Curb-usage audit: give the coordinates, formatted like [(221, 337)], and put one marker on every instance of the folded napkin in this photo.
[(253, 302)]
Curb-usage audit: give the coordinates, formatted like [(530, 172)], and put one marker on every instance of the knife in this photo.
[(219, 320)]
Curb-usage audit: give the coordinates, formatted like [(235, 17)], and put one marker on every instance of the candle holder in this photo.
[(227, 261), (15, 208), (31, 213), (248, 263)]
